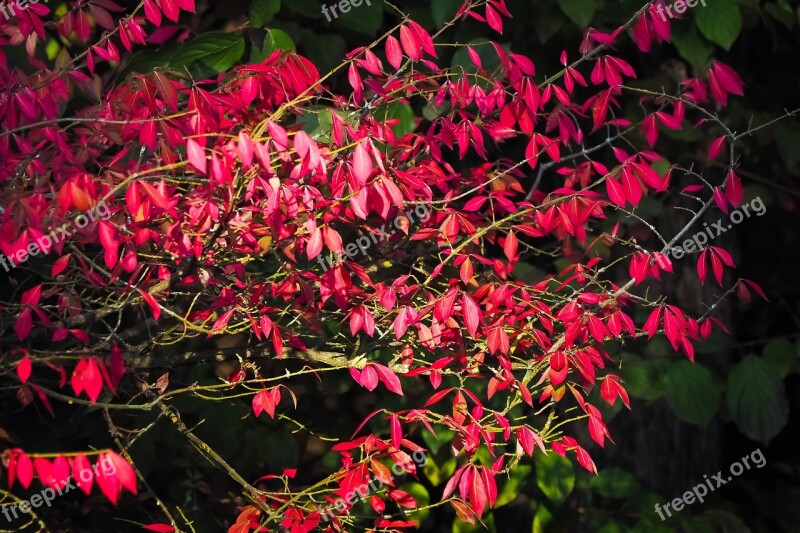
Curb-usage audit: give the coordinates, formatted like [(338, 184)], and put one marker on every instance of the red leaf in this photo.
[(23, 324), (377, 504), (31, 296), (60, 264), (600, 108), (615, 192), (61, 470), (474, 57), (152, 12), (332, 239), (632, 187), (116, 366), (733, 189), (44, 471), (86, 377), (597, 430), (222, 321), (151, 301), (263, 401), (471, 313), (510, 246), (651, 326), (24, 369), (369, 378), (585, 460), (409, 43), (159, 528), (395, 430), (109, 483), (716, 147), (720, 199), (314, 246), (702, 269), (493, 19)]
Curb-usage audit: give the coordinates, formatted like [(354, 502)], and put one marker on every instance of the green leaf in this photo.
[(317, 122), (444, 10), (397, 110), (149, 60), (757, 399), (323, 49), (696, 524), (555, 476), (644, 378), (366, 19), (421, 496), (512, 488), (274, 40), (262, 11), (580, 12), (308, 8), (435, 442), (652, 525), (216, 50), (719, 21), (615, 483), (541, 520), (691, 392), (781, 356), (727, 522), (613, 527), (787, 137), (438, 473), (548, 21), (715, 343), (690, 45), (782, 12)]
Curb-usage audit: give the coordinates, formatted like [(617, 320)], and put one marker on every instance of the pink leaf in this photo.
[(24, 469), (123, 470), (389, 379), (493, 19), (82, 473), (196, 155), (716, 147), (362, 165), (394, 53)]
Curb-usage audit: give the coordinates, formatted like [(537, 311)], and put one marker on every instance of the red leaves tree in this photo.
[(222, 208)]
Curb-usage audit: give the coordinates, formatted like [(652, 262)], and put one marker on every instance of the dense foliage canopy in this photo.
[(256, 289)]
